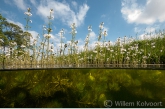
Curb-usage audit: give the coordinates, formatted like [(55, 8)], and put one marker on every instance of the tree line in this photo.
[(12, 35)]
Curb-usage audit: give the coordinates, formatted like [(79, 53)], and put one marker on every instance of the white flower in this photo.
[(122, 52), (105, 33), (144, 57), (23, 46), (51, 17), (134, 54), (51, 50), (95, 51), (13, 43), (52, 46), (98, 43), (152, 43), (73, 31), (28, 13), (122, 49), (7, 54), (111, 50), (101, 45), (118, 39), (47, 35), (101, 25), (73, 26), (87, 39), (30, 21), (51, 10), (125, 37), (127, 58), (89, 28), (61, 33), (140, 52), (76, 42), (35, 41), (42, 43)]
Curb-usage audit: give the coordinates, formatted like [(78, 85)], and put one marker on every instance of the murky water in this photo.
[(82, 88)]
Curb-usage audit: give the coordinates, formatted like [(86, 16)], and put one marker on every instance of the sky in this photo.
[(121, 17)]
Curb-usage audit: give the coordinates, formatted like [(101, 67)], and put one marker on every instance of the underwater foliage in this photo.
[(51, 88)]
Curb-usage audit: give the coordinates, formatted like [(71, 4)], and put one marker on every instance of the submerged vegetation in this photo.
[(19, 49), (80, 87)]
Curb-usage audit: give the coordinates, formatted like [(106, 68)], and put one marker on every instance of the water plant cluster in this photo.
[(18, 50), (80, 87)]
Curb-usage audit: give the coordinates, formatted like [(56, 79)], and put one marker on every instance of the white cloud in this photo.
[(55, 38), (34, 35), (74, 4), (17, 23), (93, 35), (147, 33), (62, 11), (8, 14), (92, 45), (20, 4), (8, 2), (81, 14), (33, 2), (146, 36), (148, 29), (151, 12)]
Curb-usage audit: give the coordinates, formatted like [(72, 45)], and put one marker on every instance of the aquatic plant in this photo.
[(124, 52)]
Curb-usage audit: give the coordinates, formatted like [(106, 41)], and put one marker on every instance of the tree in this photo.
[(13, 32), (14, 35), (3, 39)]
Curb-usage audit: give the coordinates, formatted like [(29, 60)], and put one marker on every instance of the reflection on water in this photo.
[(81, 87), (39, 66)]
